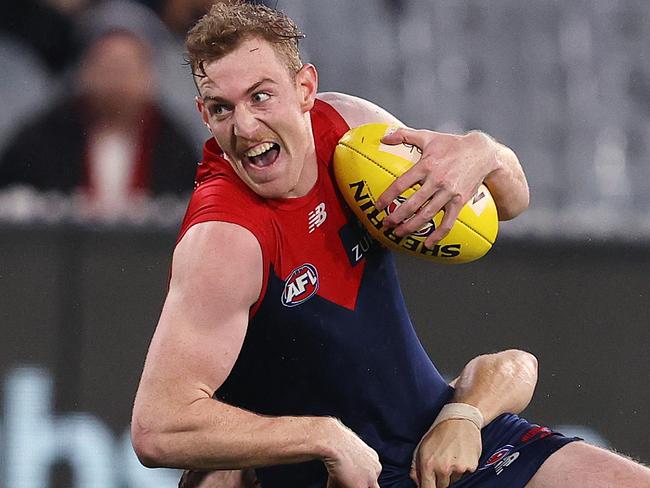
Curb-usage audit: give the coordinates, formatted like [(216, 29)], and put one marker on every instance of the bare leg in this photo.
[(580, 465)]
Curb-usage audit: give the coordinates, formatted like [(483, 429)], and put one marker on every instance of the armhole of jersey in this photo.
[(264, 243), (339, 125)]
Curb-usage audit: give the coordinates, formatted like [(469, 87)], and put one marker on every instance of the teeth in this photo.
[(257, 150)]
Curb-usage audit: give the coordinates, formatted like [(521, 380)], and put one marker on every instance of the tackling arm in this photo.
[(497, 383), (494, 384)]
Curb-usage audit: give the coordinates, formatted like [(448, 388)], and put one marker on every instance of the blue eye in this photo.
[(218, 110), (261, 97)]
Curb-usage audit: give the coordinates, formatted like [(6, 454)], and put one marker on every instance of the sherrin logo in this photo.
[(413, 242), (300, 286), (364, 168)]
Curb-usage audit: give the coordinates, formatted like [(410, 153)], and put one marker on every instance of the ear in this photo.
[(307, 84)]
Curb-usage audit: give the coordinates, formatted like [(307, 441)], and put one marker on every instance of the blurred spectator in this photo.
[(46, 26), (161, 22), (23, 88), (180, 15), (109, 141), (178, 88)]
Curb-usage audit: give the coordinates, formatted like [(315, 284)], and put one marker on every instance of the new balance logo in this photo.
[(317, 217)]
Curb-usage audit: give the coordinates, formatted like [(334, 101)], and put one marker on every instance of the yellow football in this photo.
[(364, 167)]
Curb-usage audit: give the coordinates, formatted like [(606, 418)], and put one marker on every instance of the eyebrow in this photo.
[(251, 89)]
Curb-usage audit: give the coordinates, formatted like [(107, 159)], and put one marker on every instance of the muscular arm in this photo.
[(487, 160), (216, 277), (176, 422), (497, 383)]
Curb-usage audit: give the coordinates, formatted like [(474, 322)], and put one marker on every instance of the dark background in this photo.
[(565, 84), (80, 303)]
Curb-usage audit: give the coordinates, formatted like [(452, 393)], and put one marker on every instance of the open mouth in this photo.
[(263, 155)]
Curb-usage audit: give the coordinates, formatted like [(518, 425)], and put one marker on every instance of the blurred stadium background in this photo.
[(566, 84)]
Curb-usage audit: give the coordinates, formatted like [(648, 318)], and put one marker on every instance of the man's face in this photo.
[(117, 75), (259, 114)]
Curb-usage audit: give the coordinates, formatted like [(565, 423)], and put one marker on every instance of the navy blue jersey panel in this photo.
[(365, 367)]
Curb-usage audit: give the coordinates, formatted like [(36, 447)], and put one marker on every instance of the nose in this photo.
[(245, 124)]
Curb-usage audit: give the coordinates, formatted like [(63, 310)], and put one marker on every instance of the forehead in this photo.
[(253, 60), (118, 46)]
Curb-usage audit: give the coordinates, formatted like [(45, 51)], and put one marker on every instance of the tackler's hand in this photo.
[(446, 453), (451, 169), (351, 462)]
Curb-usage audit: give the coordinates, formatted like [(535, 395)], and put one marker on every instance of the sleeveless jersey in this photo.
[(330, 334)]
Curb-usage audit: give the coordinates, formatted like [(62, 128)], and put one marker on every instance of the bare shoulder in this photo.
[(358, 111), (216, 277), (211, 254)]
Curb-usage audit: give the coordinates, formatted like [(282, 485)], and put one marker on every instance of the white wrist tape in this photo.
[(453, 411), (460, 411)]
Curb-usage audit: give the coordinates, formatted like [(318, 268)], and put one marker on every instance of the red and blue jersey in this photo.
[(330, 334)]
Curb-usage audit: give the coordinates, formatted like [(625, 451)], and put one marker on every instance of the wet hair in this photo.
[(229, 23)]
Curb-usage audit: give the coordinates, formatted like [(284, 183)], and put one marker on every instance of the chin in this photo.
[(273, 190)]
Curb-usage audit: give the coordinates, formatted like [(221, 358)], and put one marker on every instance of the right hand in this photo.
[(352, 463), (446, 453)]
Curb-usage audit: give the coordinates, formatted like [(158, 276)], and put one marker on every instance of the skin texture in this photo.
[(246, 101), (450, 171), (453, 448), (250, 98), (579, 465)]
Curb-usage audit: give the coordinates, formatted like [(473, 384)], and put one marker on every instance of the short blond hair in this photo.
[(228, 23)]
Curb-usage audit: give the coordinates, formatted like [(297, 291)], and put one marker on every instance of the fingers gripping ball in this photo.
[(364, 167)]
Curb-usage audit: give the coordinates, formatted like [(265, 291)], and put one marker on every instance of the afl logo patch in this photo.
[(300, 286), (424, 231)]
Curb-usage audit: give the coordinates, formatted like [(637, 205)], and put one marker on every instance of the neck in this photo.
[(309, 173)]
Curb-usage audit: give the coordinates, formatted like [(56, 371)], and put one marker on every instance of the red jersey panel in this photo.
[(330, 334), (286, 228)]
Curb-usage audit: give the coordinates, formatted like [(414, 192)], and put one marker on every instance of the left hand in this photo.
[(451, 169), (446, 453)]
